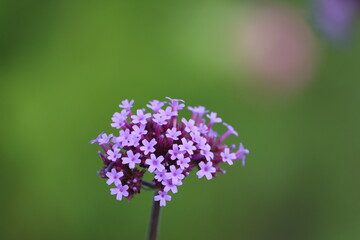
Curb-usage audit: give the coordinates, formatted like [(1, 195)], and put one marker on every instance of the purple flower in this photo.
[(201, 143), (183, 162), (175, 104), (155, 163), (139, 131), (119, 119), (187, 146), (228, 132), (200, 110), (103, 138), (162, 197), (131, 159), (175, 152), (175, 174), (134, 140), (140, 117), (160, 119), (114, 177), (126, 104), (148, 146), (203, 129), (120, 191), (189, 125), (231, 130), (213, 118), (160, 175), (205, 151), (113, 155), (167, 113), (155, 105), (163, 146), (196, 136), (169, 186), (124, 138), (206, 169), (227, 156), (240, 154), (173, 134)]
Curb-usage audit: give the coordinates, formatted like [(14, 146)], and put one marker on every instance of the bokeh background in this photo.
[(272, 70)]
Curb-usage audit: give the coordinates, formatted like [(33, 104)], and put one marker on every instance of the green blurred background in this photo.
[(66, 65)]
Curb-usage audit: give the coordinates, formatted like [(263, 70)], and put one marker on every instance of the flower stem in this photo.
[(154, 220), (149, 185)]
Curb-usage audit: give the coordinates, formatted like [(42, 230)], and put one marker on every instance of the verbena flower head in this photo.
[(164, 145)]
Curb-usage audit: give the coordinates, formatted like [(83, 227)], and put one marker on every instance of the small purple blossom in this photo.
[(167, 113), (175, 174), (120, 191), (124, 138), (196, 137), (203, 129), (140, 117), (187, 146), (114, 177), (113, 155), (126, 104), (161, 175), (139, 131), (169, 186), (200, 110), (240, 154), (205, 151), (213, 118), (119, 119), (131, 159), (103, 138), (134, 140), (228, 132), (175, 152), (160, 119), (206, 169), (173, 134), (189, 125), (183, 162), (175, 103), (231, 130), (164, 146), (228, 157), (162, 197), (201, 143), (155, 105), (148, 147), (155, 163)]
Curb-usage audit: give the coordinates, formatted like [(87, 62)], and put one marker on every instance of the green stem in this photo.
[(154, 220)]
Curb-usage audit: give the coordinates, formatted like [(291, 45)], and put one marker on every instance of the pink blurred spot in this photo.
[(277, 48)]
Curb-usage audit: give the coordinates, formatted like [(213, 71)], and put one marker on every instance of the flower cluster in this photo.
[(165, 145)]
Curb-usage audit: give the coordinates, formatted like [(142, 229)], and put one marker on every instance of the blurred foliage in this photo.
[(66, 65)]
